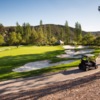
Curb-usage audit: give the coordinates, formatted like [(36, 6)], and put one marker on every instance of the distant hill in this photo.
[(55, 29), (47, 34), (96, 33)]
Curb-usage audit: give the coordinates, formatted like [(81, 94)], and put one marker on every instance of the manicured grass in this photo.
[(6, 48), (13, 58), (16, 57)]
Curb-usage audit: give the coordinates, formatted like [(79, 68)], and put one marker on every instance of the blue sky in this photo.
[(51, 12)]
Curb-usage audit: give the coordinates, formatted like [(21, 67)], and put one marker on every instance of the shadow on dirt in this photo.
[(36, 94), (74, 71)]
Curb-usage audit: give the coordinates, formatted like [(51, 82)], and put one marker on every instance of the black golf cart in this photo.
[(88, 61)]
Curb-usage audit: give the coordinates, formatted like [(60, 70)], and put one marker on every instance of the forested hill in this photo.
[(56, 29), (47, 34), (97, 33)]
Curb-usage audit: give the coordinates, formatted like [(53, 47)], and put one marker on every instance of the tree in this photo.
[(88, 39), (53, 40), (41, 38), (1, 40), (19, 29), (19, 38), (46, 35), (78, 33), (62, 34), (49, 35), (2, 29), (34, 36), (97, 41), (41, 22), (13, 39), (67, 33), (26, 33)]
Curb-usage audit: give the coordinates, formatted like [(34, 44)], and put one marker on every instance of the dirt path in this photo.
[(18, 85), (85, 88)]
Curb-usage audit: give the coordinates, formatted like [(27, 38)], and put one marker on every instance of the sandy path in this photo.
[(17, 85)]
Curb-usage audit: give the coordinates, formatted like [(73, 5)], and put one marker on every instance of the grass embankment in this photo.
[(15, 57)]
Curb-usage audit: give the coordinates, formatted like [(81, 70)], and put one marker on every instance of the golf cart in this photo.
[(88, 61)]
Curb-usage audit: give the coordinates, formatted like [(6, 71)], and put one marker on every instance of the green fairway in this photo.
[(16, 57)]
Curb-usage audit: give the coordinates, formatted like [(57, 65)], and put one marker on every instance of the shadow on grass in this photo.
[(10, 62)]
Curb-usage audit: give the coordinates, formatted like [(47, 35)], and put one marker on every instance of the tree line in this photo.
[(45, 35)]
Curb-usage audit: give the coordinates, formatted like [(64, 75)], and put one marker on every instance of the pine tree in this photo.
[(26, 33), (41, 36), (97, 41), (34, 36), (78, 33), (1, 40), (19, 29), (41, 22), (67, 33), (19, 38), (45, 35), (62, 35), (2, 29), (88, 39), (13, 39), (49, 35)]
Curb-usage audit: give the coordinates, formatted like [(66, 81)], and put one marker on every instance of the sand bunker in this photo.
[(46, 63), (73, 47), (38, 65), (75, 54)]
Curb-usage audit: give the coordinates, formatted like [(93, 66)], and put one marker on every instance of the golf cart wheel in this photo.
[(96, 67), (80, 67), (86, 69)]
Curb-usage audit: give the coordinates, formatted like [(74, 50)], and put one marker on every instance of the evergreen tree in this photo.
[(41, 22), (67, 33), (53, 40), (19, 38), (2, 29), (45, 35), (34, 36), (26, 33), (1, 40), (78, 33), (62, 37), (49, 36), (88, 39), (19, 29), (13, 39), (40, 36), (97, 41)]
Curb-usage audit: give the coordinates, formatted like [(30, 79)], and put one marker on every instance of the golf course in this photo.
[(12, 57)]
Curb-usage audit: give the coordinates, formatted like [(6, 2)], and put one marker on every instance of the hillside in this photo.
[(96, 33), (55, 29), (47, 34)]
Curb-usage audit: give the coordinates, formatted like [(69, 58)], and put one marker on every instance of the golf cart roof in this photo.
[(88, 55)]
